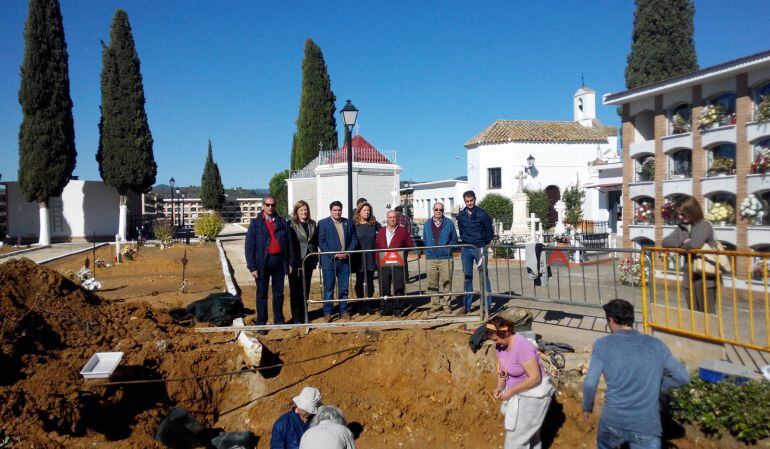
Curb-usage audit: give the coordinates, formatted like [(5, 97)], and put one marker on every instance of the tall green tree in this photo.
[(280, 191), (662, 43), (47, 134), (538, 205), (212, 190), (125, 155), (316, 124)]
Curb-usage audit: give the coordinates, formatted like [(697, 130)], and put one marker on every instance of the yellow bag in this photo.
[(707, 263)]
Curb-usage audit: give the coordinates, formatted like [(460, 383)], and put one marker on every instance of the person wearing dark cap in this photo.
[(636, 368)]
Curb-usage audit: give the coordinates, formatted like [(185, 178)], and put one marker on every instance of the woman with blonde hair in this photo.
[(365, 264), (522, 385), (693, 232), (304, 237)]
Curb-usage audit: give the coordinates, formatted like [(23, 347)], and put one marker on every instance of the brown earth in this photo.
[(155, 275), (406, 389)]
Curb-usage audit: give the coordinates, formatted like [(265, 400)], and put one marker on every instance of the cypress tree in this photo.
[(212, 190), (125, 155), (662, 42), (47, 135), (316, 124)]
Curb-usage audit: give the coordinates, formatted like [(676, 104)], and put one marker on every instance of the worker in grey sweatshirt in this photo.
[(636, 368)]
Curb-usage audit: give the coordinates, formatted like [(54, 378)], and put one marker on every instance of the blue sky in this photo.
[(426, 76)]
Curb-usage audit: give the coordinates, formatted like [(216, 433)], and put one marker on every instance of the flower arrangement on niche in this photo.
[(721, 166), (668, 213), (763, 108), (644, 213), (753, 209), (711, 115), (721, 212), (761, 163), (630, 272), (679, 124)]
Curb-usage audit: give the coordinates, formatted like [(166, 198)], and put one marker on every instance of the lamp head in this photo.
[(172, 182), (531, 161), (349, 114)]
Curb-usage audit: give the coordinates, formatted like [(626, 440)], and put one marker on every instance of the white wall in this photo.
[(84, 208), (302, 189), (378, 189), (427, 194), (378, 183), (559, 164)]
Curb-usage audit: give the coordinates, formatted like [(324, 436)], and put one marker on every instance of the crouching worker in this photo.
[(289, 428), (328, 430), (522, 385)]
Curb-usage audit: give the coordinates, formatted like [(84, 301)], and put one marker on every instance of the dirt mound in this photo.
[(50, 327)]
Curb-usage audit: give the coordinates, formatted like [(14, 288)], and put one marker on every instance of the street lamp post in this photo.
[(181, 213), (349, 116), (178, 211), (171, 184)]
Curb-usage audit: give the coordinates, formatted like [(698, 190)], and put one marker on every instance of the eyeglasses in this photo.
[(441, 210), (269, 204)]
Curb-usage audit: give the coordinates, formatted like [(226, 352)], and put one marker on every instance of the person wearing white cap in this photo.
[(328, 430), (289, 428)]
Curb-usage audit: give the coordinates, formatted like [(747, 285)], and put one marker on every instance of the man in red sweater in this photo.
[(393, 263)]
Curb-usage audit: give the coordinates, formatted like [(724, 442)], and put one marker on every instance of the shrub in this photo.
[(499, 208), (540, 206), (209, 226), (739, 409), (573, 201), (164, 231)]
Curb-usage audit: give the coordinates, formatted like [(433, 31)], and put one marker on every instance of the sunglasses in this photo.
[(269, 204), (442, 210)]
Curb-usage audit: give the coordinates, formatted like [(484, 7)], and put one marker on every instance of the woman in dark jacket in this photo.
[(365, 264), (304, 238), (693, 232)]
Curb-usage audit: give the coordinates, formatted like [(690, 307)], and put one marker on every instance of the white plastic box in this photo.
[(101, 365)]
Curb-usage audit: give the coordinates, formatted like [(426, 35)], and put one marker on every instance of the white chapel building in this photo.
[(376, 177), (565, 153)]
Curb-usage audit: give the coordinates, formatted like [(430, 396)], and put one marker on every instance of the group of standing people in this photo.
[(276, 247)]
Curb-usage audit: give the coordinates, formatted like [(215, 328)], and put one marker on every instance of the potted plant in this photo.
[(562, 239), (761, 163), (679, 125), (630, 272), (644, 214), (711, 115), (763, 108), (668, 213), (759, 268), (721, 212), (753, 209), (648, 168), (721, 166)]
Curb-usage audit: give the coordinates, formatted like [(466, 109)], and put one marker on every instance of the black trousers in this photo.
[(297, 294), (274, 273), (392, 275), (365, 279)]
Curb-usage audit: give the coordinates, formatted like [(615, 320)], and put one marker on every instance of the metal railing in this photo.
[(730, 305), (579, 275), (415, 269)]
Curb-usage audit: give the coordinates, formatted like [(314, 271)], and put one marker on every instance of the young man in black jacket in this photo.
[(475, 228)]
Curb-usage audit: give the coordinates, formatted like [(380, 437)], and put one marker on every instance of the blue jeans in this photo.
[(339, 275), (609, 437), (470, 257)]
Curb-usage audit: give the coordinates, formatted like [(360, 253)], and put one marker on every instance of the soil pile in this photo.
[(50, 327)]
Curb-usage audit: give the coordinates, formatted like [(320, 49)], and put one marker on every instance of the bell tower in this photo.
[(584, 106)]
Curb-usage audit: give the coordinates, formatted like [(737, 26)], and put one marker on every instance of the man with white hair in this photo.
[(328, 430), (289, 428)]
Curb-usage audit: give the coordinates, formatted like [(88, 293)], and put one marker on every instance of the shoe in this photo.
[(345, 317), (435, 308), (386, 312), (461, 311), (398, 313), (328, 318)]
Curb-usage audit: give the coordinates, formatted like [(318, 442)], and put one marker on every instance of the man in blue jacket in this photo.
[(438, 231), (475, 227), (336, 233), (636, 368), (289, 428), (269, 256)]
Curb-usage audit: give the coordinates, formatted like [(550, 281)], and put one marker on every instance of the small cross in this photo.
[(582, 80), (532, 221)]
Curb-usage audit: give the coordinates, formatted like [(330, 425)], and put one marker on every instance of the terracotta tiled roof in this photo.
[(503, 131), (363, 151)]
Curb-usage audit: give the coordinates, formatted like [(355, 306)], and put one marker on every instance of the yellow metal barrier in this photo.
[(730, 305)]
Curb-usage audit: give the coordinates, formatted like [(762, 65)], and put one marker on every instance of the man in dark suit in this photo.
[(393, 263), (336, 233), (269, 256)]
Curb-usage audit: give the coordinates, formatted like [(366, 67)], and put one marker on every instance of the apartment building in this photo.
[(705, 134)]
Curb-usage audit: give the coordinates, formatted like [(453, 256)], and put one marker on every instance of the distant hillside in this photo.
[(164, 191)]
